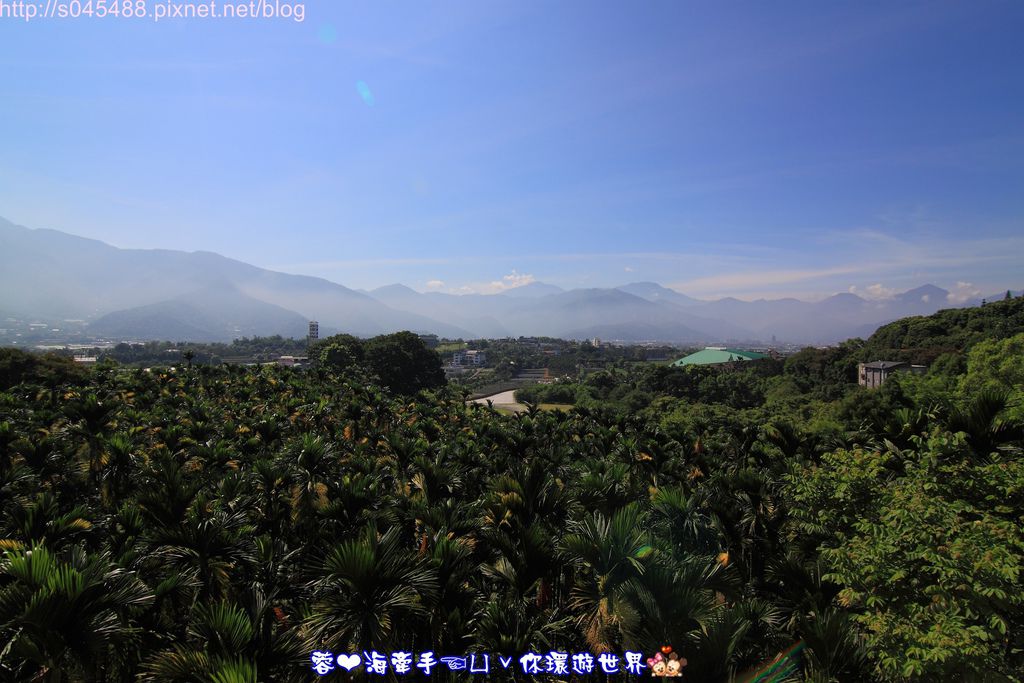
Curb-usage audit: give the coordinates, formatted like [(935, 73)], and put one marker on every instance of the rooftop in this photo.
[(715, 355), (884, 365)]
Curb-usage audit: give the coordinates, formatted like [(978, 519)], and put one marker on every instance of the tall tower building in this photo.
[(314, 330)]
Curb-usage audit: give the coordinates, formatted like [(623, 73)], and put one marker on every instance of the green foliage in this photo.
[(404, 363), (629, 390), (564, 358), (928, 547), (340, 352), (164, 353), (400, 361), (997, 364), (923, 339), (18, 366), (68, 612), (369, 592), (547, 393), (827, 373), (261, 513)]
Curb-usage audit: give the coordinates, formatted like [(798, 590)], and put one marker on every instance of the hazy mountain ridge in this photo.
[(652, 291), (56, 275), (142, 294), (217, 312)]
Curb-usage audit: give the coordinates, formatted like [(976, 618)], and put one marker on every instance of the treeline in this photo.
[(560, 356), (164, 353), (628, 389), (49, 370), (821, 381)]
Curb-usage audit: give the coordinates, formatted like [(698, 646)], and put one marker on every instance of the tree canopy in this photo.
[(400, 361)]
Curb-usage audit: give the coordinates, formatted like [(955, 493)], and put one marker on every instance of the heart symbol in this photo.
[(348, 662), (666, 648)]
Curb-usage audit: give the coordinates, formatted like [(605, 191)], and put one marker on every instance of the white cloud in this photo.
[(435, 284), (507, 282), (510, 281), (628, 269), (876, 291), (926, 298), (963, 291)]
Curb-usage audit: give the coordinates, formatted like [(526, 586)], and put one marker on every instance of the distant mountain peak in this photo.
[(926, 293), (395, 288), (652, 291), (846, 297)]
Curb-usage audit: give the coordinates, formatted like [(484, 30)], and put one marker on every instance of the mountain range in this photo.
[(201, 296)]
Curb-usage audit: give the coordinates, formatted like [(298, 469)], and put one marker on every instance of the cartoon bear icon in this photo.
[(674, 665)]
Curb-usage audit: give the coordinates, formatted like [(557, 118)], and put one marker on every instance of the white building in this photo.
[(469, 357)]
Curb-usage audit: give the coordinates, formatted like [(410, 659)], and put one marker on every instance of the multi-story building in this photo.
[(469, 357)]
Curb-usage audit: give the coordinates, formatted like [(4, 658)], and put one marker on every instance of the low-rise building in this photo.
[(872, 375), (454, 371)]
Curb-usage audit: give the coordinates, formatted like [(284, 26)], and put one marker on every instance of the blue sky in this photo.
[(746, 149)]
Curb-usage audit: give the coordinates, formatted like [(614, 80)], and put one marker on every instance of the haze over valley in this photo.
[(138, 294)]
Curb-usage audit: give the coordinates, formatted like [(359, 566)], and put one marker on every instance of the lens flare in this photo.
[(327, 34), (364, 92)]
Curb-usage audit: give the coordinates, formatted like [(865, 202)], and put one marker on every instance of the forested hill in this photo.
[(922, 339)]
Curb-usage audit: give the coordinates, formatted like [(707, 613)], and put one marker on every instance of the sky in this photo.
[(722, 149)]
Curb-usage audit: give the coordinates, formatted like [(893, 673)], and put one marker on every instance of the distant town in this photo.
[(481, 365)]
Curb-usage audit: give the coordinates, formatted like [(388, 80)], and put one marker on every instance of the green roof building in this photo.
[(716, 355)]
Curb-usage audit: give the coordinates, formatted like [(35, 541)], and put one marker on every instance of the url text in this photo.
[(155, 10)]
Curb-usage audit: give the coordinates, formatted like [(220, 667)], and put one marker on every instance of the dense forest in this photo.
[(220, 523)]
